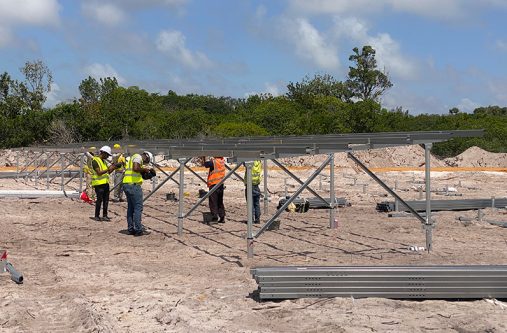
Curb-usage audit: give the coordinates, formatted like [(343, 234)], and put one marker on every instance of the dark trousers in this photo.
[(216, 202), (102, 192), (256, 207)]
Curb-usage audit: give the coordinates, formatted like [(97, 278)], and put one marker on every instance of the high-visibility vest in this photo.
[(218, 172), (256, 173), (132, 177), (102, 179), (120, 159)]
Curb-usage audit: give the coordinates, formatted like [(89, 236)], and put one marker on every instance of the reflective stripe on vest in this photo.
[(130, 176), (218, 172), (102, 179), (256, 173)]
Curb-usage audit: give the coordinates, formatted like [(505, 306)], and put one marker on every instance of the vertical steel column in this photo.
[(266, 193), (249, 207), (63, 168), (47, 171), (429, 223), (81, 166), (181, 196), (332, 199), (17, 165)]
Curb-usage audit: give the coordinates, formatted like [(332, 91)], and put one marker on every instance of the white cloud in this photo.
[(467, 105), (52, 97), (436, 9), (310, 44), (103, 12), (272, 88), (15, 13), (501, 45), (388, 53), (98, 71), (173, 44), (32, 12), (499, 89)]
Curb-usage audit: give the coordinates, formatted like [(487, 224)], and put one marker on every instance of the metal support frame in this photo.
[(332, 201), (266, 192), (428, 225), (249, 207), (181, 200), (397, 197), (170, 176), (287, 203), (287, 171)]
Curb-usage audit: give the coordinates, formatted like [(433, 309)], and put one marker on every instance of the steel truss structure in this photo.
[(243, 151), (419, 282), (446, 205)]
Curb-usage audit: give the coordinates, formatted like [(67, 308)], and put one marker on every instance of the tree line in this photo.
[(318, 104)]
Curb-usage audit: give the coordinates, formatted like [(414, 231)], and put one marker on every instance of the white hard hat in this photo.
[(150, 155), (106, 149)]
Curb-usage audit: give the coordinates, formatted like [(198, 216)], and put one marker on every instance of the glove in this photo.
[(148, 175), (118, 165)]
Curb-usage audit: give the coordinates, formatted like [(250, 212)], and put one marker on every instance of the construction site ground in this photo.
[(87, 276)]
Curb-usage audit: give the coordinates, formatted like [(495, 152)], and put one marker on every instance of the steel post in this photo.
[(181, 195), (332, 220), (81, 166), (17, 165), (249, 207), (427, 181), (266, 193), (62, 164)]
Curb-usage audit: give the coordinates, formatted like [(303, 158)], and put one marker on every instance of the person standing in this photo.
[(118, 158), (100, 182), (256, 191), (137, 165), (216, 173)]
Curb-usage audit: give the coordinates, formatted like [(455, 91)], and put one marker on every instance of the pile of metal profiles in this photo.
[(400, 282), (444, 205), (316, 203)]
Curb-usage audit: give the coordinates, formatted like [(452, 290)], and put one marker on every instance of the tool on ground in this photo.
[(6, 266)]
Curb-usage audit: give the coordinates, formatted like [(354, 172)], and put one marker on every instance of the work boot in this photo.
[(106, 219), (97, 218), (222, 220), (142, 233)]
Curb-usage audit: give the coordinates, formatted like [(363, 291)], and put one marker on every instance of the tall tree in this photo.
[(38, 80), (89, 89), (364, 80)]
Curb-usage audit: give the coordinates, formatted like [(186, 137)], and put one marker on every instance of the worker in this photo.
[(118, 158), (256, 192), (88, 172), (216, 166), (137, 166), (100, 182)]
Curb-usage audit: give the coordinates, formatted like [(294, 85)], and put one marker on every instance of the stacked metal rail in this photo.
[(422, 282), (443, 205), (316, 203)]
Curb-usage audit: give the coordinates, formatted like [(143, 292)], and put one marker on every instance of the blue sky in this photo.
[(439, 53)]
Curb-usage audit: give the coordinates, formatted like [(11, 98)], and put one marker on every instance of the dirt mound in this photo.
[(478, 157), (402, 156)]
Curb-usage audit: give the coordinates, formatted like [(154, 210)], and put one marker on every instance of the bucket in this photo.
[(170, 196), (207, 218), (202, 193)]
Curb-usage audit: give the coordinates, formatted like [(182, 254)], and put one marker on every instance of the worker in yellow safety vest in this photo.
[(256, 192), (100, 182), (136, 169), (118, 158), (216, 173)]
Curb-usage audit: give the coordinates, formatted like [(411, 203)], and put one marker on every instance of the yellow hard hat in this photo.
[(92, 149), (116, 146)]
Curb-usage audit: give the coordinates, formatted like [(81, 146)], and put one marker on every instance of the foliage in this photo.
[(365, 80)]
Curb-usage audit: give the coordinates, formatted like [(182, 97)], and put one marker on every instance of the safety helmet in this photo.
[(150, 155), (92, 148), (116, 146), (106, 149)]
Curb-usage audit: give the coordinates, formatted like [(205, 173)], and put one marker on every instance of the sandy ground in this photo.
[(87, 276)]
